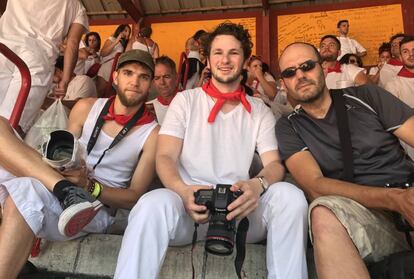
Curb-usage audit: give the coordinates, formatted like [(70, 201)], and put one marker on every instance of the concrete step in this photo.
[(95, 256)]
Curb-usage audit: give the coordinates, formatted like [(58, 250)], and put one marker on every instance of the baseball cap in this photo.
[(136, 55)]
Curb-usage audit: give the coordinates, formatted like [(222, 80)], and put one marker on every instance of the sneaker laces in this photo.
[(75, 195)]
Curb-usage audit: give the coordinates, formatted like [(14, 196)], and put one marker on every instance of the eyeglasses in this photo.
[(352, 61), (304, 67)]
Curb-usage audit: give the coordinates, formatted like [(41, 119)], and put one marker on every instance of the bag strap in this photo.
[(344, 134)]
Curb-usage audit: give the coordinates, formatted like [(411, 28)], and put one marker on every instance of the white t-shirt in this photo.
[(348, 73), (388, 73), (40, 25), (80, 87), (402, 88), (160, 110), (219, 152), (349, 45)]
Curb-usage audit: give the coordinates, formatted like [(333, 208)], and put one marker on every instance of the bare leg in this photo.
[(335, 254), (16, 240), (21, 160)]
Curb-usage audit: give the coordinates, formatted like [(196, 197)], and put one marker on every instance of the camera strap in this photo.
[(100, 122), (241, 235), (241, 245), (344, 134)]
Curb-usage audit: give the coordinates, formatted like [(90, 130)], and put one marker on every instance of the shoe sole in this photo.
[(74, 218)]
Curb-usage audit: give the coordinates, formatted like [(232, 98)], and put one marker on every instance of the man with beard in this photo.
[(348, 220), (394, 65), (209, 137), (337, 75), (165, 83), (120, 136), (402, 86)]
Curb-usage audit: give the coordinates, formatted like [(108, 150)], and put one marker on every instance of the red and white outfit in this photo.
[(389, 71), (160, 106), (216, 149), (41, 209), (341, 72), (34, 30), (402, 86)]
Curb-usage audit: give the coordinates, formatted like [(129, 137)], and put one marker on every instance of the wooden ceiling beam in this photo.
[(131, 8), (3, 4)]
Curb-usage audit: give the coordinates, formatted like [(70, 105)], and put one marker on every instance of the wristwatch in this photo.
[(263, 183)]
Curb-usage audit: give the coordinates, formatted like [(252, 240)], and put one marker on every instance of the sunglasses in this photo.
[(304, 67)]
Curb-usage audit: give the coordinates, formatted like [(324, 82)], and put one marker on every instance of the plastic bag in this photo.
[(52, 119)]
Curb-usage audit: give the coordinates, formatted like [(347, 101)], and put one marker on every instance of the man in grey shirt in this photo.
[(345, 225)]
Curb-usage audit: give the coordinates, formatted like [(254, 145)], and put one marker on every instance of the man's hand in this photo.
[(198, 213), (248, 201), (77, 176), (405, 201), (60, 89)]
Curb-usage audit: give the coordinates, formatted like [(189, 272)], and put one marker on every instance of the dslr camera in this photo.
[(400, 222), (63, 151), (221, 232)]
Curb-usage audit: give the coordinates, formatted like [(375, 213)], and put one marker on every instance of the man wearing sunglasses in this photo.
[(344, 226), (337, 75)]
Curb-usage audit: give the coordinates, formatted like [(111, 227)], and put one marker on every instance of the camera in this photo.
[(63, 151), (400, 222), (221, 232)]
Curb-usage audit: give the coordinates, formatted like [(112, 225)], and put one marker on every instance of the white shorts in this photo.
[(41, 209)]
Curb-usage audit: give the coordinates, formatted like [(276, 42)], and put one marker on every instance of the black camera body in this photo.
[(221, 232), (400, 222)]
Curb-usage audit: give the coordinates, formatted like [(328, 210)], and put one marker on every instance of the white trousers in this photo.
[(41, 209), (159, 219), (10, 82)]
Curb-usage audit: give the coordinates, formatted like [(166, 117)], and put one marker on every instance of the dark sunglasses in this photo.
[(304, 67)]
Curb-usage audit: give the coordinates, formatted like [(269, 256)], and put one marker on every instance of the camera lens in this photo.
[(220, 235)]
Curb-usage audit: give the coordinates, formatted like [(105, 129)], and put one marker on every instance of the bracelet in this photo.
[(96, 189)]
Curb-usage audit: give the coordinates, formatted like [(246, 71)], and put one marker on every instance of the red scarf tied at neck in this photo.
[(121, 119), (335, 69), (165, 102), (238, 95)]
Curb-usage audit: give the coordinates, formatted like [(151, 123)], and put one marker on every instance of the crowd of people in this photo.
[(342, 132)]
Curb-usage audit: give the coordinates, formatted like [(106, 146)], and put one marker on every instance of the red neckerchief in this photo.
[(405, 73), (164, 101), (395, 62), (238, 95), (336, 68), (121, 119)]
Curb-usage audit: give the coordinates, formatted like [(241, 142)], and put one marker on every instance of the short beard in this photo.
[(320, 85), (231, 79), (129, 102), (329, 58)]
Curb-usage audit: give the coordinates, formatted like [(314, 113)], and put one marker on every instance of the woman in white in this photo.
[(114, 44), (141, 39), (384, 52)]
